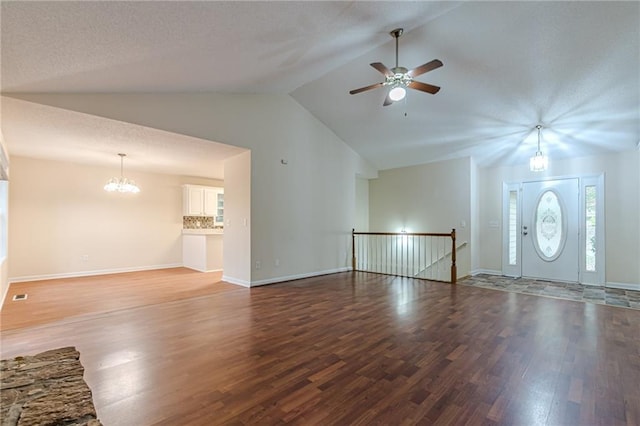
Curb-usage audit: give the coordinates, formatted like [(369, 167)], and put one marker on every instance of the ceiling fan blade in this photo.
[(387, 101), (364, 89), (429, 66), (424, 87), (383, 69)]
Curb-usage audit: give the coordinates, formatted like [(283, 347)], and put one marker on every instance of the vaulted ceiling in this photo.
[(572, 67)]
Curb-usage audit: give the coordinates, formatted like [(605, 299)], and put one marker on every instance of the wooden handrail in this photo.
[(422, 234), (452, 234)]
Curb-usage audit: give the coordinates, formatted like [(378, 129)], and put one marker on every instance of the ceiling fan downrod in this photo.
[(396, 34)]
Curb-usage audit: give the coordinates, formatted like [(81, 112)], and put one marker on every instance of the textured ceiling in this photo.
[(571, 66), (41, 131)]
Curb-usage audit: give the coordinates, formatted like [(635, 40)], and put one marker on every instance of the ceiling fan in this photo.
[(399, 78)]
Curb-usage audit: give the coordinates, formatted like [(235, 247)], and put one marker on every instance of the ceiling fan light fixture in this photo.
[(539, 162), (121, 184), (397, 93), (400, 78)]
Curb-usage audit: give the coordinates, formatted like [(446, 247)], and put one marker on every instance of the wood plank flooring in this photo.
[(354, 348), (51, 300)]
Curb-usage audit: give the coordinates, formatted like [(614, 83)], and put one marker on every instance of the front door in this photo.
[(550, 230)]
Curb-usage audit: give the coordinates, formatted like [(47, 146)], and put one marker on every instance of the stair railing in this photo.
[(417, 255)]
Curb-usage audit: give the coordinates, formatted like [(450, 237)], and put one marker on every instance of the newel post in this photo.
[(454, 269), (353, 249)]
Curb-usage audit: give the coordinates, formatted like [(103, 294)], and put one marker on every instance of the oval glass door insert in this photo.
[(549, 226)]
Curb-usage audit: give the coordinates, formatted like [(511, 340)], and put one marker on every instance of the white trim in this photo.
[(485, 271), (236, 281), (298, 276), (6, 290), (596, 277), (584, 277), (623, 286), (201, 270), (91, 273), (507, 269)]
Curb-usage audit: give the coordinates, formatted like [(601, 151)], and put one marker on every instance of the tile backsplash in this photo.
[(197, 222)]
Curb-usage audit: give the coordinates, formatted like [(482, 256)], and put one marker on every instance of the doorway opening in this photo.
[(553, 229)]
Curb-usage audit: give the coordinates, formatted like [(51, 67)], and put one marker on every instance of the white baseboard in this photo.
[(485, 271), (623, 286), (91, 273), (236, 281), (298, 276), (202, 270)]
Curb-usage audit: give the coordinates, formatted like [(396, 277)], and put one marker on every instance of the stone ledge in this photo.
[(46, 389)]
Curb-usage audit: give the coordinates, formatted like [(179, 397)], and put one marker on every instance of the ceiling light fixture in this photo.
[(539, 162), (121, 184), (397, 93)]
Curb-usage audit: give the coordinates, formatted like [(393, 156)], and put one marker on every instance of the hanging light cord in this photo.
[(538, 127), (122, 158)]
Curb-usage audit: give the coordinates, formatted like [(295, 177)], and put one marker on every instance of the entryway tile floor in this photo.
[(570, 291)]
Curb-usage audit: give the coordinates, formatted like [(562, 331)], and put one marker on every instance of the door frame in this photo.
[(512, 231)]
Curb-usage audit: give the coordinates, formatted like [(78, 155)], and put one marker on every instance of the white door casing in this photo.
[(569, 242)]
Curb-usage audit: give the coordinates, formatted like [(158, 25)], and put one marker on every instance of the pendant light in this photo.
[(121, 184), (539, 162)]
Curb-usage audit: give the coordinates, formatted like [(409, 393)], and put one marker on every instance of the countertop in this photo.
[(202, 231)]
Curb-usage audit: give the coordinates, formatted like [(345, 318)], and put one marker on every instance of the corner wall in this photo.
[(362, 205), (434, 197), (4, 217), (237, 220)]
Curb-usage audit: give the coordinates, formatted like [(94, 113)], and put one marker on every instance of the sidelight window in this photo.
[(590, 227)]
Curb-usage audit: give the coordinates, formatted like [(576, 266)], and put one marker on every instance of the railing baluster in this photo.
[(418, 255)]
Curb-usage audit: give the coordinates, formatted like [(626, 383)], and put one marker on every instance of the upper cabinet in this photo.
[(203, 201)]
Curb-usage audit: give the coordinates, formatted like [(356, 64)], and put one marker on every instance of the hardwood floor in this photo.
[(354, 349), (51, 300)]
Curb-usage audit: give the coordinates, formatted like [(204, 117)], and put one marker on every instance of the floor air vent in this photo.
[(19, 297)]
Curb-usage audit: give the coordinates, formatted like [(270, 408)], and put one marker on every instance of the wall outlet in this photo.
[(84, 258), (258, 264), (276, 262)]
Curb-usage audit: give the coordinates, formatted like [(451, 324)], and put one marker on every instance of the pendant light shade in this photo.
[(539, 162), (121, 184), (397, 93)]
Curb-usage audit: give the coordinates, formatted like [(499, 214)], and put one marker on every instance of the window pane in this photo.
[(513, 235), (548, 224), (590, 227)]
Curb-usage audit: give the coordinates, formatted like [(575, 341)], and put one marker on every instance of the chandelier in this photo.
[(539, 162), (121, 184)]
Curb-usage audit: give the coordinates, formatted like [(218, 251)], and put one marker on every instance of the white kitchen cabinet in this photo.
[(201, 200)]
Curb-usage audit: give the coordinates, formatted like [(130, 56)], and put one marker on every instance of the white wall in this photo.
[(434, 197), (474, 231), (60, 213), (622, 207), (237, 218), (362, 205), (4, 211), (302, 213)]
